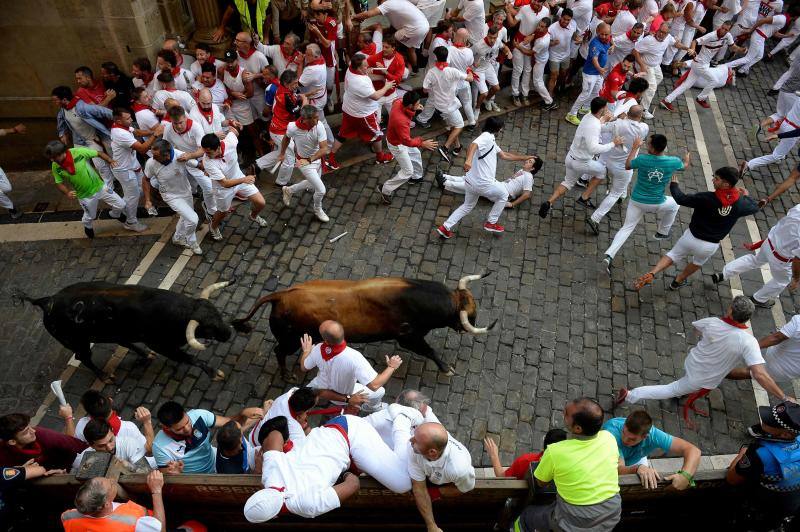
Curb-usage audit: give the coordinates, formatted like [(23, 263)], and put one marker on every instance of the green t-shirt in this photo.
[(85, 181), (584, 470), (654, 172)]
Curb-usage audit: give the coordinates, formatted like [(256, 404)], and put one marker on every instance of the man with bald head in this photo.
[(344, 376), (441, 459), (584, 470), (594, 70), (313, 83), (209, 116)]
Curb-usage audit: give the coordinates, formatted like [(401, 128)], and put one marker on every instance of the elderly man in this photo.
[(649, 51), (284, 55), (584, 470), (723, 343), (384, 420), (95, 508), (314, 84), (637, 438), (345, 377)]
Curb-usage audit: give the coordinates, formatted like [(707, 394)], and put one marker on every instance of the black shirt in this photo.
[(710, 220), (124, 89)]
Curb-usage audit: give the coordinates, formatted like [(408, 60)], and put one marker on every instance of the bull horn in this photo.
[(210, 289), (468, 326), (190, 338), (464, 281)]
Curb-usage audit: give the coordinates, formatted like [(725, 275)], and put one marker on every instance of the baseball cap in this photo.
[(784, 415), (263, 505), (229, 56)]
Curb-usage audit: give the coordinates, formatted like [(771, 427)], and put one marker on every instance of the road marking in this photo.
[(27, 232)]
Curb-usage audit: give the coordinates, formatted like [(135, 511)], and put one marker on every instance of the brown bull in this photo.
[(371, 310)]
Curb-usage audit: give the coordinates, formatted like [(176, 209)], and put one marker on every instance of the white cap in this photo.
[(263, 505)]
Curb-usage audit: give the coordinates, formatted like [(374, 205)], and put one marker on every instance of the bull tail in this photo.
[(241, 324), (18, 297)]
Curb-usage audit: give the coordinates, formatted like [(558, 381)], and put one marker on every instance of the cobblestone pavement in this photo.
[(565, 328)]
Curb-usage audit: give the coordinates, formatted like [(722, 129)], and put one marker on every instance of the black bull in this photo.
[(99, 312), (370, 310)]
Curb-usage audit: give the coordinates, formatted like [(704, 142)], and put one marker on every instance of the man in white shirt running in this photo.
[(519, 186), (782, 356)]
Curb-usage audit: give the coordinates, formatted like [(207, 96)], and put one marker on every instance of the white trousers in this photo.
[(5, 188), (665, 212), (187, 217), (204, 182), (427, 111), (781, 271), (620, 179), (784, 104), (590, 88), (678, 388), (697, 72), (371, 455), (780, 151), (521, 73), (410, 162), (131, 183), (268, 161), (672, 54), (782, 45), (89, 205), (538, 82), (653, 77), (99, 164), (754, 54), (313, 181), (494, 192), (464, 94)]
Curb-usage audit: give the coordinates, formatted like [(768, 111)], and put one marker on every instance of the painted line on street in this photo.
[(35, 232)]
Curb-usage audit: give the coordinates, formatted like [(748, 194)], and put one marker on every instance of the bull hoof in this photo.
[(451, 371), (219, 376)]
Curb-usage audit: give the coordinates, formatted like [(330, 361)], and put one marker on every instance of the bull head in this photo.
[(463, 314), (192, 326)]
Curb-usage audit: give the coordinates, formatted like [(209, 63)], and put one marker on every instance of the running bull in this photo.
[(371, 310), (99, 312)]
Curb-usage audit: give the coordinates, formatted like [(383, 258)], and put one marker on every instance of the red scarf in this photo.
[(211, 60), (238, 69), (221, 151), (288, 446), (176, 72), (441, 65), (188, 128), (209, 115), (538, 35), (460, 44), (736, 324), (630, 38), (72, 103), (141, 107), (147, 77), (32, 450), (443, 37), (330, 351), (115, 422), (68, 163), (119, 126), (318, 61), (247, 54), (727, 196), (301, 124), (288, 58)]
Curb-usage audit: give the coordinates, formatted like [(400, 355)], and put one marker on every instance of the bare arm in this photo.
[(782, 187), (772, 339), (423, 500), (347, 487), (391, 365), (155, 481), (760, 374), (494, 456), (523, 197), (65, 412), (142, 415)]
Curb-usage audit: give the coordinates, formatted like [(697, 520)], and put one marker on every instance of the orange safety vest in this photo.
[(123, 519)]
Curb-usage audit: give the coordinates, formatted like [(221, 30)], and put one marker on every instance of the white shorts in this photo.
[(690, 246), (576, 168), (452, 118), (433, 13), (410, 37), (487, 78), (224, 196)]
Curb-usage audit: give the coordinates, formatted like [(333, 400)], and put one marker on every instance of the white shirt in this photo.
[(127, 429), (460, 58), (172, 178), (122, 141), (586, 143), (437, 42), (520, 182), (484, 162), (581, 13), (652, 50), (541, 48), (130, 450), (768, 30), (280, 407), (528, 19), (188, 141), (786, 355), (209, 124), (314, 80), (785, 235), (358, 89), (146, 119), (454, 466), (474, 15), (441, 85), (721, 348), (648, 12), (183, 81), (183, 98), (342, 372), (404, 15), (383, 423), (306, 142), (274, 52), (485, 55), (559, 52), (710, 46), (627, 129), (218, 91), (253, 64), (734, 6), (225, 167), (623, 22), (623, 46)]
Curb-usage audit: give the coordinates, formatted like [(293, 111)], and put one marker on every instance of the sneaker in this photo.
[(544, 208), (195, 249), (443, 152), (702, 103), (439, 177), (666, 105), (415, 181), (675, 285), (587, 203), (572, 119), (496, 108), (138, 227), (332, 162), (383, 157), (215, 233), (179, 242), (89, 232), (258, 220), (582, 183), (717, 278), (286, 194), (152, 211), (583, 111), (15, 214), (423, 125), (550, 106), (469, 126), (525, 101), (445, 232), (594, 226), (456, 151), (773, 92), (660, 236), (763, 304), (647, 115), (494, 228), (622, 394), (387, 200), (515, 100), (607, 263), (741, 74), (321, 215)]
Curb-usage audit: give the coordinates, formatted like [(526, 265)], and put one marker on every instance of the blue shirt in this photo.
[(197, 453), (656, 439), (653, 177), (598, 49), (269, 94)]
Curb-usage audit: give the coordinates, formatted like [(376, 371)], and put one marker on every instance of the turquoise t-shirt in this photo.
[(653, 177), (656, 439), (197, 453)]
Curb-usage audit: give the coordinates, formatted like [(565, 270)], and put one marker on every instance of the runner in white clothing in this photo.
[(479, 180), (294, 406), (789, 124), (473, 14), (209, 116), (762, 30), (649, 51), (519, 186), (486, 51), (528, 18), (782, 356), (563, 36), (168, 91), (313, 82)]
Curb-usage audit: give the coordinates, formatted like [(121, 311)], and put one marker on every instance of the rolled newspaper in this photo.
[(275, 168), (58, 392)]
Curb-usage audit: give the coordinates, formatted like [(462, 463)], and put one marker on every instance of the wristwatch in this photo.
[(347, 399)]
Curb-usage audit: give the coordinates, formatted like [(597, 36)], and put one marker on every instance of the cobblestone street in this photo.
[(565, 328)]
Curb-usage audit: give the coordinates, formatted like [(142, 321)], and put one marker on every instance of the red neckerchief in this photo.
[(221, 151), (356, 72), (460, 44), (330, 351), (209, 115), (727, 196), (247, 54), (630, 38), (119, 126), (368, 50), (288, 446), (736, 324), (188, 127), (535, 11), (318, 61), (72, 103), (68, 163), (147, 77), (441, 65), (288, 58), (301, 124), (539, 35), (443, 37), (486, 40), (211, 60), (175, 72), (33, 450), (115, 422), (140, 107)]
